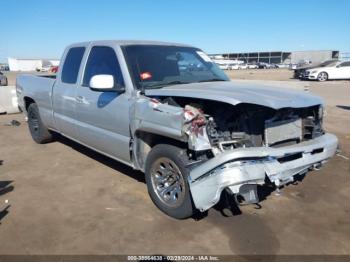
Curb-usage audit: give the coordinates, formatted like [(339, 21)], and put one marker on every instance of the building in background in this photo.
[(344, 56), (281, 57), (27, 64), (313, 56)]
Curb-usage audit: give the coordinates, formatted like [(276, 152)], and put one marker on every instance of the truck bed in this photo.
[(38, 88)]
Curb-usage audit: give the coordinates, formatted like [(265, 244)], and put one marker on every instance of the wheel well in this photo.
[(145, 141), (27, 102)]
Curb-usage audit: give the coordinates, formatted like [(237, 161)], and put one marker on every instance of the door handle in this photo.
[(79, 99)]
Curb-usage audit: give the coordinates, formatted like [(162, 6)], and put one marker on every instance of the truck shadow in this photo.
[(4, 212), (344, 107), (5, 187), (120, 167), (226, 206)]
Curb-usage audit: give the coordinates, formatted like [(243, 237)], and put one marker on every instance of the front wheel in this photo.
[(323, 76), (166, 178)]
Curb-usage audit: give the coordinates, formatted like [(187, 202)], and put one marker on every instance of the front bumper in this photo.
[(312, 76), (239, 167)]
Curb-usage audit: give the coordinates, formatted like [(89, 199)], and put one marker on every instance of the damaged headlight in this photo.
[(320, 112)]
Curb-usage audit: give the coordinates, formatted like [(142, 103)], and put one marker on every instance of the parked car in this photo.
[(253, 66), (282, 65), (3, 80), (293, 66), (54, 69), (243, 66), (224, 66), (299, 72), (44, 68), (195, 135), (4, 68), (233, 66), (262, 65), (336, 70)]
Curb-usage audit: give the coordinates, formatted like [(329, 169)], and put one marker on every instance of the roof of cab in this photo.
[(127, 42)]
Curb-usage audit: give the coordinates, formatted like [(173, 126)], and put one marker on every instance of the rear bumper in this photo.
[(239, 167)]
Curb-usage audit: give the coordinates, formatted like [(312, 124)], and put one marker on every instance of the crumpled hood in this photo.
[(236, 93)]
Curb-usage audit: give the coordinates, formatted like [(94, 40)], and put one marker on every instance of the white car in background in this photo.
[(224, 66), (234, 66), (336, 70), (253, 66), (243, 66)]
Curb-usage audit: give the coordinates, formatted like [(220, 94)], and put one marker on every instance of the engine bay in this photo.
[(249, 125)]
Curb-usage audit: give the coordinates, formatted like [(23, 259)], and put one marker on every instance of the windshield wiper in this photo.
[(160, 85), (211, 80)]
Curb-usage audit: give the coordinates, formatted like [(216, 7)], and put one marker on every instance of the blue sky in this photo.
[(43, 28)]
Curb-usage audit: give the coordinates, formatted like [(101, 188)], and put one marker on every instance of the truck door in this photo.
[(103, 117), (64, 92)]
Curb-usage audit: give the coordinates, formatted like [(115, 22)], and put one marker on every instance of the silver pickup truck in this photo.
[(166, 109)]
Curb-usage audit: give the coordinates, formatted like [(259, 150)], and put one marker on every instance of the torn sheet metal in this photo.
[(238, 167), (185, 124), (206, 192), (152, 116), (195, 128)]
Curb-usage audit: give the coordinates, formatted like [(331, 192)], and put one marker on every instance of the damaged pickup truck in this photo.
[(166, 109)]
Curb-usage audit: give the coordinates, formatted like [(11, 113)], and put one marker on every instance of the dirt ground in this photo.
[(62, 198)]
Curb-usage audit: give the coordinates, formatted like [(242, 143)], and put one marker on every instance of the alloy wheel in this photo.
[(168, 183)]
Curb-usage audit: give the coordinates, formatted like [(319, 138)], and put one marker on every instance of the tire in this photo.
[(165, 165), (38, 130), (323, 76), (4, 83)]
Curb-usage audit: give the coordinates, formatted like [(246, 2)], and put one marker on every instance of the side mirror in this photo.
[(104, 83), (101, 82)]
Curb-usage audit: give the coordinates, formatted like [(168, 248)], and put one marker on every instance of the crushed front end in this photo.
[(234, 169), (237, 147), (252, 144)]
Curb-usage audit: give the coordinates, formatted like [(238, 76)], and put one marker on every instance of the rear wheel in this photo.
[(166, 177), (38, 130), (323, 76)]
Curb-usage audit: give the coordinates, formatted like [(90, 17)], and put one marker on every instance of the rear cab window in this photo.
[(70, 69)]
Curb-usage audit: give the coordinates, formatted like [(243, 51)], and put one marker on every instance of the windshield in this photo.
[(328, 63), (155, 66)]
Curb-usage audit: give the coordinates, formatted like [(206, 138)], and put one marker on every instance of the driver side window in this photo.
[(103, 61)]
